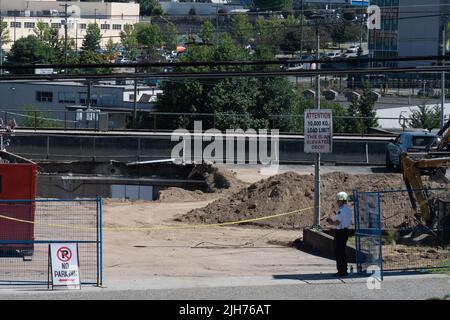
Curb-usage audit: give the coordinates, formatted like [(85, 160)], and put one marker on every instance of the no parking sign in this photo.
[(64, 265)]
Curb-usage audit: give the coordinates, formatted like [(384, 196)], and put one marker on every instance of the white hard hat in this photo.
[(342, 196)]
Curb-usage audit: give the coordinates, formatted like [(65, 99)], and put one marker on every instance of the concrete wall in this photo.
[(321, 243), (156, 147)]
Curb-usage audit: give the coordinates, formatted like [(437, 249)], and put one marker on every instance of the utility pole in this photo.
[(301, 28), (135, 99), (444, 49), (317, 164), (1, 42), (217, 25), (65, 33), (317, 20)]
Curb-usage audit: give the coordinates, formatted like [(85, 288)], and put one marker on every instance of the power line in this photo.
[(223, 63), (234, 74)]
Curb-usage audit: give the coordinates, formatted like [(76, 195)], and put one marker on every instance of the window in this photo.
[(56, 25), (66, 97), (105, 26), (82, 26), (117, 27), (29, 25), (44, 96), (16, 24)]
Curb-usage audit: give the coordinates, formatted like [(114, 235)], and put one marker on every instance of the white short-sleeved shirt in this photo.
[(344, 216)]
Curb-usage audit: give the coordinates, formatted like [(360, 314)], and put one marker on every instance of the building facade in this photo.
[(22, 16), (409, 28)]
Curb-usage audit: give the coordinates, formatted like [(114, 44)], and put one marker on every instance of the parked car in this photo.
[(407, 142), (426, 92), (152, 82), (333, 55)]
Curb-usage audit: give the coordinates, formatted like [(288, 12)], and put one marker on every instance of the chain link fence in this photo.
[(27, 227), (390, 235)]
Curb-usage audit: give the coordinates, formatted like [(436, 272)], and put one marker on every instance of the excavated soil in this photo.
[(291, 191), (219, 182)]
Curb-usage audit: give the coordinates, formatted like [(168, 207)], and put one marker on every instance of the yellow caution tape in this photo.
[(159, 228)]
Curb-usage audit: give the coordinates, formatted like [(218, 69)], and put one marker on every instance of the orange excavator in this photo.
[(433, 163)]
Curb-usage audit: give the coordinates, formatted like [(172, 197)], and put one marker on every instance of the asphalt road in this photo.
[(284, 287)]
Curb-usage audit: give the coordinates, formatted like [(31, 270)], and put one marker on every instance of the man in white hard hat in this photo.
[(341, 224)]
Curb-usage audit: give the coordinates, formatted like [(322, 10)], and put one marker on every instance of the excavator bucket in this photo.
[(439, 177)]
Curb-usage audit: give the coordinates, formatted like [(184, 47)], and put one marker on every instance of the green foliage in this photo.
[(207, 32), (92, 39), (30, 50), (268, 36), (111, 50), (241, 29), (364, 110), (274, 5), (89, 50), (345, 31), (4, 31), (128, 38), (149, 37), (169, 38), (425, 117), (236, 102), (33, 118)]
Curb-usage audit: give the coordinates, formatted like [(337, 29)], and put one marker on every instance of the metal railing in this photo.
[(168, 121)]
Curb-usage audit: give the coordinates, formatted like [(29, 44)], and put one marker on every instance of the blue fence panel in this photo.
[(27, 227), (368, 232)]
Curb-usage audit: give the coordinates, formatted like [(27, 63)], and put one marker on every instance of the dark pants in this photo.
[(340, 244)]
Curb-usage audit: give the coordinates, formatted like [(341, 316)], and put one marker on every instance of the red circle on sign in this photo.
[(64, 254)]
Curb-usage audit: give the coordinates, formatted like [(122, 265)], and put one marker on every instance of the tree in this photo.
[(4, 31), (274, 5), (111, 50), (90, 49), (361, 112), (240, 28), (169, 38), (207, 32), (128, 38), (235, 102), (30, 50), (425, 117), (345, 31), (92, 39), (268, 37), (149, 36), (367, 109), (33, 118)]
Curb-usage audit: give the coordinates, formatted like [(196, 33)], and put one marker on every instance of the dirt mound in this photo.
[(291, 191), (218, 181), (178, 194)]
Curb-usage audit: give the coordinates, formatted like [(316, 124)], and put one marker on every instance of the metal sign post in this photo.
[(318, 140)]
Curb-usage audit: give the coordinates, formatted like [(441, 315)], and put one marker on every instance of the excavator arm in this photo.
[(412, 171)]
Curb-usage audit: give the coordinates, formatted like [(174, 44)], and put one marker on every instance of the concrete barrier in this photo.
[(321, 243), (134, 147)]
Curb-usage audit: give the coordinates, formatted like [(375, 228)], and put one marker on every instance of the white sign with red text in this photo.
[(318, 131), (65, 265)]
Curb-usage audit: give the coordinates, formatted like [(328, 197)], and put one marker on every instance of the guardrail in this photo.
[(96, 120)]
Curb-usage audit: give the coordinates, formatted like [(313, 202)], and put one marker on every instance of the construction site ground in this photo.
[(203, 252), (255, 261)]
